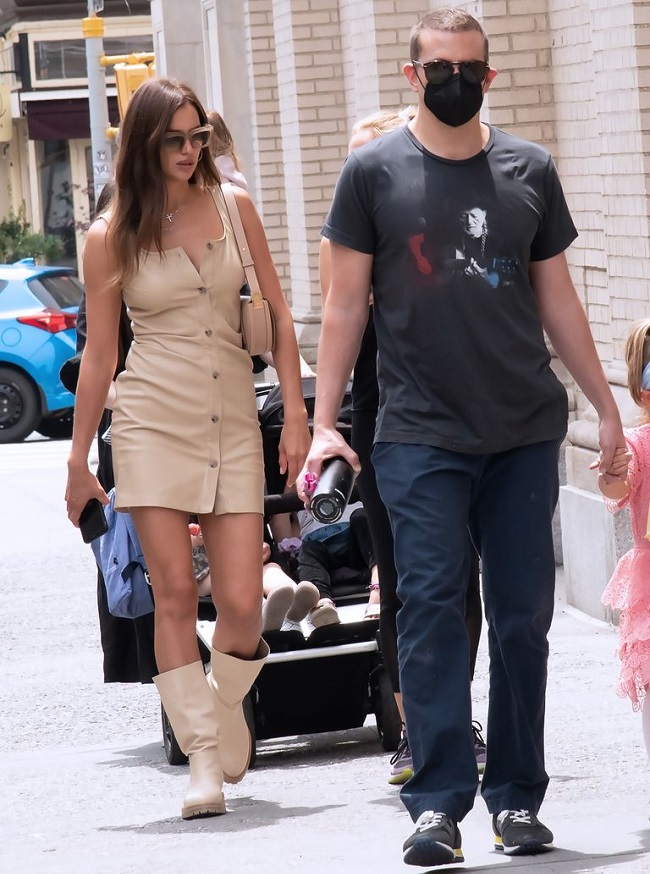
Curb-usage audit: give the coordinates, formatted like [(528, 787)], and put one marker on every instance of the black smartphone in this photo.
[(92, 522)]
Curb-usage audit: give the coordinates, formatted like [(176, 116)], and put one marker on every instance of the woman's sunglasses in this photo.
[(439, 72), (198, 139)]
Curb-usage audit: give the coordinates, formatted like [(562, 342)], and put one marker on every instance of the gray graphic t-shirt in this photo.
[(462, 360)]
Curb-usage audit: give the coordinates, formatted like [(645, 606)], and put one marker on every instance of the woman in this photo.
[(185, 434)]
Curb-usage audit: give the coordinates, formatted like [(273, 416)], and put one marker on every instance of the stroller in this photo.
[(326, 679)]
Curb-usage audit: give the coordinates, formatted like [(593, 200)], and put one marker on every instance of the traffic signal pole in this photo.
[(93, 31)]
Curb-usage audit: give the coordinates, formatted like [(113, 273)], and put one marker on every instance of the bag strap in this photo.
[(242, 244)]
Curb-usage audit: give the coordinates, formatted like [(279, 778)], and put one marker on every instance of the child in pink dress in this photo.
[(629, 588)]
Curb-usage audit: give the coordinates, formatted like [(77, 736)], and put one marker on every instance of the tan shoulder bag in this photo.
[(257, 321)]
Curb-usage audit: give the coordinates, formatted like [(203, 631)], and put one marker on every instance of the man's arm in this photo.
[(344, 320), (565, 322)]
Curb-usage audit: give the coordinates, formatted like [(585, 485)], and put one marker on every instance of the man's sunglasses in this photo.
[(439, 72), (198, 139)]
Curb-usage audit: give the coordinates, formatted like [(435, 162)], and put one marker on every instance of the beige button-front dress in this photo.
[(185, 432)]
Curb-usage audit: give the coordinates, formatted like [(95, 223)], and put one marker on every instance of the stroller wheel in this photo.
[(173, 753), (389, 723), (249, 715)]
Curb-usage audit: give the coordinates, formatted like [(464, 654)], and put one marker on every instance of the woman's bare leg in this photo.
[(165, 540), (232, 542)]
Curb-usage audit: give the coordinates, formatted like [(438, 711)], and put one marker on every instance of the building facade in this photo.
[(45, 154), (292, 76)]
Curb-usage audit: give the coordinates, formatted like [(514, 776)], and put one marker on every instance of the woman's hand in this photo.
[(82, 485), (295, 441)]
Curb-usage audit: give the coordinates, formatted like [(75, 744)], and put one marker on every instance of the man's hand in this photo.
[(614, 454), (618, 468), (326, 443)]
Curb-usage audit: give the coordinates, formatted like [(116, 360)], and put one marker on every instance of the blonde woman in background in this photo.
[(222, 149)]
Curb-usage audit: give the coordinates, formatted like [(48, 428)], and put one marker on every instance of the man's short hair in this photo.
[(447, 20)]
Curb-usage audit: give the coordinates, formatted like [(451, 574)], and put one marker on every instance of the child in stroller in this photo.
[(286, 602), (336, 557), (316, 679)]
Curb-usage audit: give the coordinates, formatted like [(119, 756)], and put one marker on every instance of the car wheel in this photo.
[(19, 406), (57, 427)]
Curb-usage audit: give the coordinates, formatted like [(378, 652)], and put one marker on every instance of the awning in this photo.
[(63, 119)]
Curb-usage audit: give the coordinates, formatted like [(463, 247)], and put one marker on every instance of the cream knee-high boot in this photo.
[(230, 679), (192, 711)]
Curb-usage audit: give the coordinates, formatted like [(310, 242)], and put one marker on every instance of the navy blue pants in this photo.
[(507, 499)]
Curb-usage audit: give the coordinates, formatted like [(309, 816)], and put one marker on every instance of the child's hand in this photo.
[(613, 482), (617, 470), (266, 552), (195, 534)]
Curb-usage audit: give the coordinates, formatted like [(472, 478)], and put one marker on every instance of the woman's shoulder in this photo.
[(243, 203), (98, 230), (98, 250), (240, 194)]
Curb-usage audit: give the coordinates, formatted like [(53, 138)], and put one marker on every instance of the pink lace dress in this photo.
[(629, 588)]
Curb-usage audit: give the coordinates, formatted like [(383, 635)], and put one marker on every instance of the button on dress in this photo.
[(185, 432)]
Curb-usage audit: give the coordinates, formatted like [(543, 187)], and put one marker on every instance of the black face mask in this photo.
[(455, 101)]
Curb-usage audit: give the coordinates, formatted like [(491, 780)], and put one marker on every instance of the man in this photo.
[(470, 423)]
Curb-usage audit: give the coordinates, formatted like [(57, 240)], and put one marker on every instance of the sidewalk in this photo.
[(597, 801), (88, 790)]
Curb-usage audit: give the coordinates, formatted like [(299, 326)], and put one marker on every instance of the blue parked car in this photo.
[(38, 317)]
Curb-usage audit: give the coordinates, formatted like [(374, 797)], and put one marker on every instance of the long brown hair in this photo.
[(139, 199)]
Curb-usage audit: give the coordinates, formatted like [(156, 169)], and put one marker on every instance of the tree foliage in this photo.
[(17, 241)]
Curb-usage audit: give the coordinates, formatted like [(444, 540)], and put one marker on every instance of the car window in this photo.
[(3, 285), (57, 291)]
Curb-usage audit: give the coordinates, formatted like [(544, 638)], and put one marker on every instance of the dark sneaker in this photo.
[(480, 749), (401, 764), (520, 833), (435, 841)]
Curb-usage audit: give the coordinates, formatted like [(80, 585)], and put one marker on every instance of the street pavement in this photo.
[(85, 786)]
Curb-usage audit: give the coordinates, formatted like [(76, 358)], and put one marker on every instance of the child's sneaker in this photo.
[(401, 764), (520, 833), (480, 749), (290, 625), (435, 841), (324, 613)]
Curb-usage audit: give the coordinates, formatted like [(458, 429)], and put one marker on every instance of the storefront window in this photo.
[(56, 59), (55, 178), (60, 59)]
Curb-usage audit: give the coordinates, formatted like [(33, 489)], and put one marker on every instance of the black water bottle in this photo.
[(333, 491)]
